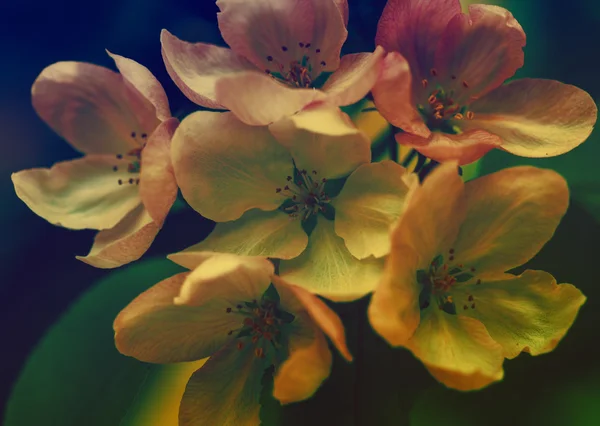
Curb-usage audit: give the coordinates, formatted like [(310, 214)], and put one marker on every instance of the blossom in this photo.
[(248, 321), (442, 84), (283, 56), (269, 188), (124, 184), (446, 295)]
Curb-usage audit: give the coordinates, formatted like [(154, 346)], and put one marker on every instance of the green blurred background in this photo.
[(76, 377)]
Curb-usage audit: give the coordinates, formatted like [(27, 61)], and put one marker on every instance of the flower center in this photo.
[(263, 323), (441, 110), (305, 195), (439, 281), (297, 72), (134, 166)]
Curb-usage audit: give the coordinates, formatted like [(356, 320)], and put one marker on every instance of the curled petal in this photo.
[(225, 167), (463, 148), (355, 77), (196, 67), (327, 268), (258, 99), (481, 50), (256, 233), (92, 108), (124, 243), (393, 96), (224, 391), (158, 188), (370, 202), (139, 78), (536, 118), (457, 350), (413, 28), (323, 139), (82, 193), (274, 31), (510, 215), (529, 312)]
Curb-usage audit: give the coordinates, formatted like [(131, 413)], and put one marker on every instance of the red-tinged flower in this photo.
[(442, 83), (283, 56), (124, 185)]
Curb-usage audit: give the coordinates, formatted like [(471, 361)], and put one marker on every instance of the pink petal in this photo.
[(81, 193), (196, 67), (92, 108), (343, 7), (258, 100), (139, 78), (393, 96), (271, 32), (124, 243), (355, 77), (536, 118), (443, 147), (480, 50), (158, 188), (413, 28)]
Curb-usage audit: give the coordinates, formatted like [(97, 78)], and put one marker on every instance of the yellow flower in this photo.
[(446, 295), (249, 321)]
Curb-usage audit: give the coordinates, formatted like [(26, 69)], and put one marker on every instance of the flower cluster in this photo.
[(301, 210)]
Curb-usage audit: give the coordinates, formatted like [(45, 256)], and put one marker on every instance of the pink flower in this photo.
[(281, 55), (442, 84), (124, 185)]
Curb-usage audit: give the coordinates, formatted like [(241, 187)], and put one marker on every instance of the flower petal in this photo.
[(258, 99), (325, 318), (394, 308), (536, 118), (343, 7), (511, 214), (196, 67), (480, 50), (433, 215), (225, 168), (224, 391), (81, 193), (413, 28), (256, 233), (285, 31), (371, 200), (393, 96), (327, 268), (92, 108), (124, 243), (463, 148), (184, 318), (529, 312), (158, 188), (306, 367), (458, 351), (355, 77), (323, 139), (139, 78)]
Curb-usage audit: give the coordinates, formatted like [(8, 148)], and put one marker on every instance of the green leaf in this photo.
[(75, 376), (463, 277)]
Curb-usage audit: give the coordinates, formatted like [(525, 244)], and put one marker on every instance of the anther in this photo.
[(318, 50), (307, 45), (472, 269), (473, 306), (259, 353), (284, 48), (240, 346), (478, 282), (470, 298), (465, 84), (301, 44), (269, 58), (119, 156), (451, 251), (424, 82), (230, 332), (465, 307), (228, 310), (451, 258), (458, 116), (314, 172), (133, 134), (120, 182), (248, 322), (470, 115), (267, 71), (115, 168), (453, 77), (289, 178), (277, 190), (255, 338), (144, 135), (323, 63), (433, 72), (130, 181), (239, 306), (432, 99)]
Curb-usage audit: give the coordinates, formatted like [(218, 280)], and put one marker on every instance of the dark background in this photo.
[(39, 274)]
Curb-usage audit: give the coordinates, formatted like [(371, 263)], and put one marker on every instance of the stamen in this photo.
[(433, 72), (424, 82), (470, 115), (465, 84), (458, 116)]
